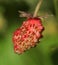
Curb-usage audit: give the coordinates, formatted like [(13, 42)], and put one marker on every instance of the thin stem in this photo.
[(37, 8)]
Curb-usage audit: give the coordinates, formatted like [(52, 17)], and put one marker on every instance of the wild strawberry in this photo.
[(27, 35)]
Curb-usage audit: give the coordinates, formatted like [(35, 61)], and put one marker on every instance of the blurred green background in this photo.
[(46, 53)]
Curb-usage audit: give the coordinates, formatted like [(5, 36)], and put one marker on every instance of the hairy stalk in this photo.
[(37, 8)]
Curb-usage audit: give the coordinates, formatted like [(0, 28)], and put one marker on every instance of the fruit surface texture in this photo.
[(27, 36)]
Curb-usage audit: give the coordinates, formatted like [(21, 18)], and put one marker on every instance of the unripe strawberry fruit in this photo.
[(27, 35)]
